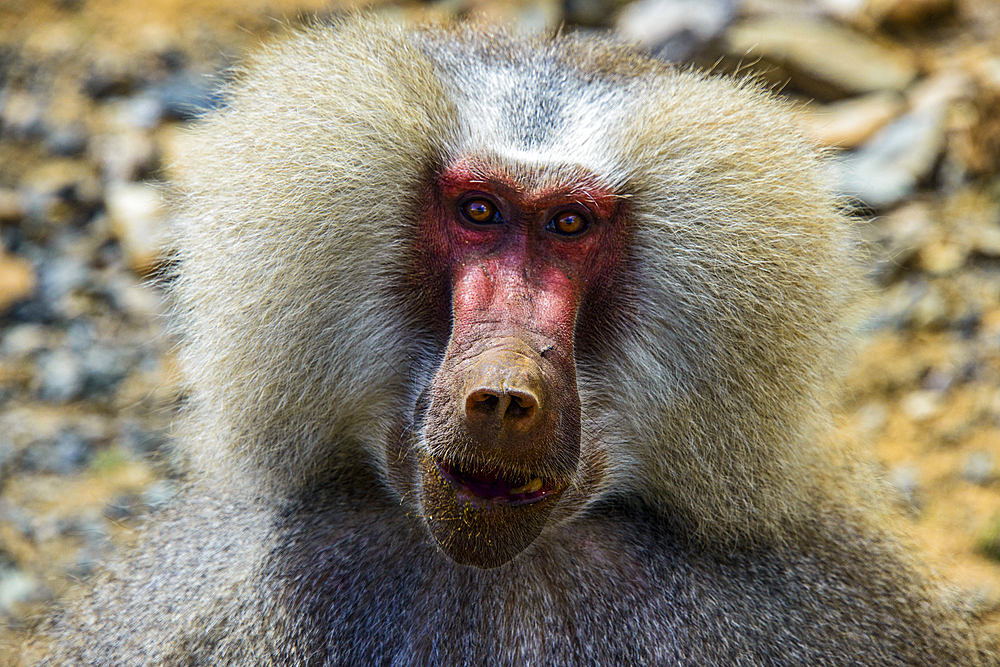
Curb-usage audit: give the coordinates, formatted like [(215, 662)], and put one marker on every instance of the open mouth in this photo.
[(490, 486)]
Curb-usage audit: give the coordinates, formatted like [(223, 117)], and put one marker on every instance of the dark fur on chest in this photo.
[(620, 585)]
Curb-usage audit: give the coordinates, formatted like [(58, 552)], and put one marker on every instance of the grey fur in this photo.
[(725, 530)]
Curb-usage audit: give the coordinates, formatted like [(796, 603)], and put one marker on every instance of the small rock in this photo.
[(979, 144), (61, 278), (907, 12), (139, 441), (187, 95), (57, 190), (940, 379), (675, 30), (944, 88), (890, 166), (592, 13), (922, 404), (901, 303), (137, 220), (909, 228), (80, 335), (54, 40), (18, 280), (849, 123), (140, 301), (906, 480), (930, 311), (979, 468), (59, 376), (17, 588), (987, 240), (68, 141), (871, 418), (142, 112), (111, 77), (125, 156), (68, 454), (847, 11), (10, 461), (23, 339), (104, 368), (943, 256), (972, 215), (823, 58), (21, 115), (11, 205)]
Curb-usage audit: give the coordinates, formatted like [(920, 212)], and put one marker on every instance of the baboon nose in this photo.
[(508, 407), (504, 392)]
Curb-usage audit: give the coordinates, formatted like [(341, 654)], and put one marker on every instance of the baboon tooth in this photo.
[(530, 487)]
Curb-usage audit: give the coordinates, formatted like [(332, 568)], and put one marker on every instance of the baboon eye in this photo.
[(480, 211), (568, 223)]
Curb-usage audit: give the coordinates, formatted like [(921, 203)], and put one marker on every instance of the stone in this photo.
[(16, 588), (849, 123), (187, 94), (905, 479), (61, 279), (11, 205), (17, 280), (675, 30), (137, 220), (942, 256), (60, 376), (21, 115), (103, 368), (125, 156), (68, 140), (141, 301), (987, 240), (907, 12), (979, 468), (847, 11), (922, 404), (56, 190), (909, 228), (890, 166), (871, 419), (823, 59), (23, 339)]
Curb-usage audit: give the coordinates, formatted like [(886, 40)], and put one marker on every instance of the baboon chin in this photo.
[(509, 349)]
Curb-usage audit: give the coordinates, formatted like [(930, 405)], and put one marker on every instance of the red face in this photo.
[(502, 429)]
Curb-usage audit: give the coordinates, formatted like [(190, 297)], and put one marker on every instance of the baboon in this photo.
[(510, 350)]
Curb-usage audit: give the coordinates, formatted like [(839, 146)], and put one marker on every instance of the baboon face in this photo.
[(500, 445)]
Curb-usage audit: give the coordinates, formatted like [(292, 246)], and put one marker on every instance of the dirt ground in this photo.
[(92, 93)]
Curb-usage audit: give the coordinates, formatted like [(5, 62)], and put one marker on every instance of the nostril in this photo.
[(499, 406), (522, 407), (482, 403)]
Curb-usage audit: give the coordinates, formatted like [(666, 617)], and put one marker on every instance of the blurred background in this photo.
[(93, 93)]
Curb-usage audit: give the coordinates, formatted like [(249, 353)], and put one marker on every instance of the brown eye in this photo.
[(479, 211), (568, 223)]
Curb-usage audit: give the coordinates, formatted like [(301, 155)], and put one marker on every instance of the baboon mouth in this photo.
[(483, 517), (491, 486)]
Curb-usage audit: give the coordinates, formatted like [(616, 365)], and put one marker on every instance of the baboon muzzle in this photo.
[(503, 441)]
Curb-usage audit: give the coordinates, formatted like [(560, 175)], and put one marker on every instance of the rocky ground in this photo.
[(93, 92)]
